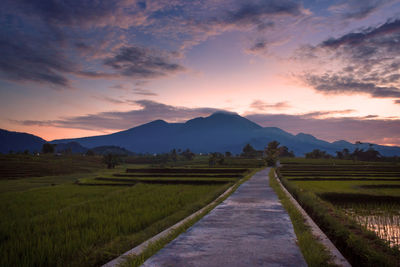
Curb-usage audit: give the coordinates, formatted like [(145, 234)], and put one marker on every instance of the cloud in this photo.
[(345, 84), (83, 13), (32, 58), (255, 13), (139, 62), (261, 105), (367, 129), (325, 113), (355, 9), (52, 41), (364, 62), (120, 120), (110, 99), (144, 92)]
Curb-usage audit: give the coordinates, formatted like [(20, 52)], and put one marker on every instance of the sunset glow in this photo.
[(327, 68)]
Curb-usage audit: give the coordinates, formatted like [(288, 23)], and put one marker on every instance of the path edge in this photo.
[(139, 249), (337, 257)]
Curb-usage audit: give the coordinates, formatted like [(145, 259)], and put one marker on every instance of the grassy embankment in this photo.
[(353, 203), (313, 251), (53, 221)]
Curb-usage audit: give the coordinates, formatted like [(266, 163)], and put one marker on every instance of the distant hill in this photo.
[(19, 142), (219, 132)]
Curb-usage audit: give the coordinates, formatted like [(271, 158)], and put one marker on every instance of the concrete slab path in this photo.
[(250, 228)]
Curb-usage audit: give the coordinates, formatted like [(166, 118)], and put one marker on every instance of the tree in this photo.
[(212, 160), (48, 148), (216, 158), (111, 160), (174, 155), (90, 153), (249, 151), (271, 153), (318, 154), (187, 154), (228, 154), (369, 155), (284, 152), (339, 155)]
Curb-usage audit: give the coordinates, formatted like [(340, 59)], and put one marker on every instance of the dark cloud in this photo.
[(259, 46), (373, 36), (385, 131), (139, 62), (261, 105), (116, 120), (256, 12), (370, 61), (78, 13), (48, 41), (345, 84), (33, 59)]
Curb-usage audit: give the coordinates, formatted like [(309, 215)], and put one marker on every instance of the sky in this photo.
[(81, 68)]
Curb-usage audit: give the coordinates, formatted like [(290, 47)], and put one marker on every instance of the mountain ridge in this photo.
[(219, 132)]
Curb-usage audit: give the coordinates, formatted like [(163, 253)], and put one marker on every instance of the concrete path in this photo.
[(250, 228)]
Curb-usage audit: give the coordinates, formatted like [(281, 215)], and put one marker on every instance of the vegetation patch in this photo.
[(188, 170), (20, 166), (188, 175), (166, 181), (390, 186), (334, 204), (337, 198), (75, 226), (314, 252)]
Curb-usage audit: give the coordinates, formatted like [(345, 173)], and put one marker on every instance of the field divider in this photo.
[(337, 257), (164, 234)]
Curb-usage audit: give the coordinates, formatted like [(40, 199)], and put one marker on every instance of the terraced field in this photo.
[(86, 219), (352, 202), (193, 176), (21, 166)]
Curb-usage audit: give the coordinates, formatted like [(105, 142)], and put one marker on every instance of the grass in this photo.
[(313, 251), (48, 219), (355, 187), (327, 202), (81, 226), (19, 166), (137, 260)]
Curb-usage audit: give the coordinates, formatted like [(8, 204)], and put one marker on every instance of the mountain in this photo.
[(19, 142), (219, 132)]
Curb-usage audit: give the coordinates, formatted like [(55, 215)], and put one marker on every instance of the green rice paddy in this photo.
[(77, 219), (350, 201)]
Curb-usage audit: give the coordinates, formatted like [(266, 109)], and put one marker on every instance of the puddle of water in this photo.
[(385, 226)]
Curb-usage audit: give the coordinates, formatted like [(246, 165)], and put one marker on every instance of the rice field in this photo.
[(351, 200), (87, 219)]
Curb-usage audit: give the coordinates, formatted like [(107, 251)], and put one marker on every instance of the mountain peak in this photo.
[(224, 113), (223, 119)]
